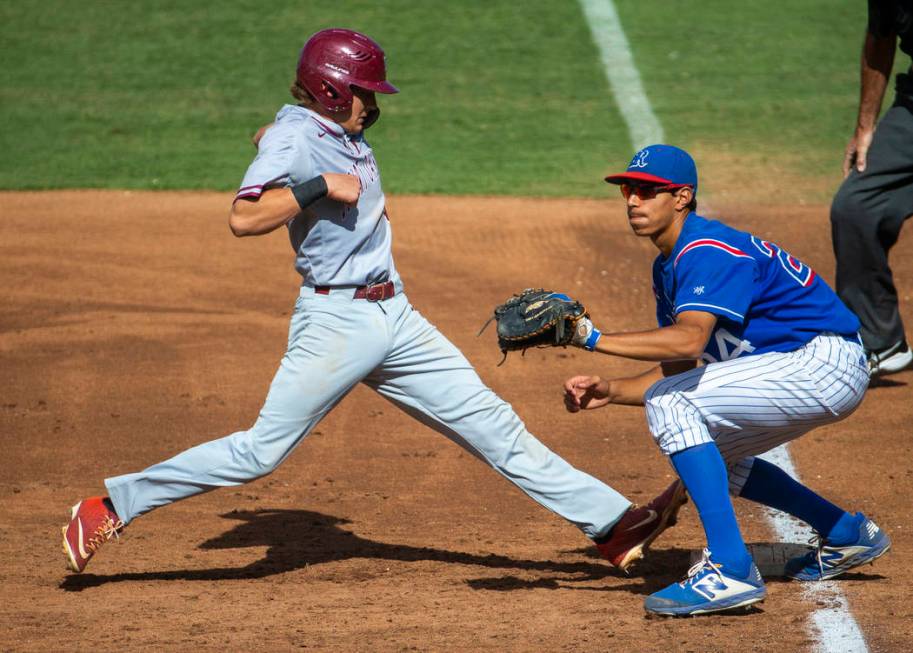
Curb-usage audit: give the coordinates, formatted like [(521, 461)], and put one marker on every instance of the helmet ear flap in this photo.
[(371, 118)]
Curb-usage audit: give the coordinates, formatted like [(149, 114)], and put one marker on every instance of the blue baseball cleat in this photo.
[(707, 589), (830, 561)]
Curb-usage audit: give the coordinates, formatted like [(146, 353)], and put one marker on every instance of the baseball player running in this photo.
[(316, 174), (781, 356)]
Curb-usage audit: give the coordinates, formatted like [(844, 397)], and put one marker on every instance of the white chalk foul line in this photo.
[(624, 80), (836, 630), (834, 627)]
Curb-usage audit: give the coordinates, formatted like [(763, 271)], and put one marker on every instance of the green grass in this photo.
[(768, 85), (744, 73), (497, 97), (139, 95)]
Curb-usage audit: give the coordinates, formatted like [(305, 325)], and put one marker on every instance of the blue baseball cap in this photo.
[(659, 164)]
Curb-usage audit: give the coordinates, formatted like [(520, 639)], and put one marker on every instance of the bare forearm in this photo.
[(877, 62), (271, 210), (677, 342), (585, 392), (630, 391)]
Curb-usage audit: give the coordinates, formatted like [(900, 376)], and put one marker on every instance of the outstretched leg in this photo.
[(430, 379), (329, 352)]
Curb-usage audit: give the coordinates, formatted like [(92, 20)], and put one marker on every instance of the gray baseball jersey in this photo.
[(335, 245)]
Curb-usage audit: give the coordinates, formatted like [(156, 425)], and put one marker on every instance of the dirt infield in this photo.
[(134, 326)]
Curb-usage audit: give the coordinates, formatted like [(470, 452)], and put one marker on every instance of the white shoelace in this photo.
[(705, 561), (817, 541)]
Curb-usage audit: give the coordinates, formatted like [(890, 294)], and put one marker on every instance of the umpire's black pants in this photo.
[(866, 216)]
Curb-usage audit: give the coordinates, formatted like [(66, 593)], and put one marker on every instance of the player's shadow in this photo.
[(657, 570), (882, 382), (296, 539)]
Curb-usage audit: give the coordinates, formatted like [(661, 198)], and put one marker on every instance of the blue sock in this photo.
[(845, 531), (769, 485), (704, 474)]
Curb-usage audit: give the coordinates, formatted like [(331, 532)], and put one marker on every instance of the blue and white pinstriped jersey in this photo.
[(335, 245), (765, 299)]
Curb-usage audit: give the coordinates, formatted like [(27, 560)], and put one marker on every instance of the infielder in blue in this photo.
[(315, 174), (781, 355)]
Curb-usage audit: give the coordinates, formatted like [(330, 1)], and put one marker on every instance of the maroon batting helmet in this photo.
[(334, 60)]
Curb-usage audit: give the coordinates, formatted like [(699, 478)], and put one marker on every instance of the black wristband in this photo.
[(310, 191)]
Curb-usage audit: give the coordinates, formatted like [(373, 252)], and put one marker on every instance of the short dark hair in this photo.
[(692, 205), (301, 94)]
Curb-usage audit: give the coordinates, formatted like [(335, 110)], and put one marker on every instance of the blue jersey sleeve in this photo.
[(716, 278), (280, 152)]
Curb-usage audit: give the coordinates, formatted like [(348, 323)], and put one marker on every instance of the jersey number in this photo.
[(795, 268), (723, 339)]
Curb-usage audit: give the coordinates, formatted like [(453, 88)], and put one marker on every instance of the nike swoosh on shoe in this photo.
[(649, 518)]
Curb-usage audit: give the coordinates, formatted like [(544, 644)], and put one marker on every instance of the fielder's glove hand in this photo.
[(586, 334), (541, 318)]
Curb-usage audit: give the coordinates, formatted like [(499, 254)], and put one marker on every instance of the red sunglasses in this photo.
[(648, 191)]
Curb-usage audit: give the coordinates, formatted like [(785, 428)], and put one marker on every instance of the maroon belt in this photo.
[(374, 293)]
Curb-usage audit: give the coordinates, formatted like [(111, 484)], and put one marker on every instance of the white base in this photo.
[(770, 557)]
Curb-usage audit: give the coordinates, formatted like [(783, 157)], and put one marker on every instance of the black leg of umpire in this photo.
[(867, 214)]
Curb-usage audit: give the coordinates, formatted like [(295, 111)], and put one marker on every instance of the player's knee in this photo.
[(661, 404), (660, 398), (264, 463), (659, 389), (675, 422), (257, 458)]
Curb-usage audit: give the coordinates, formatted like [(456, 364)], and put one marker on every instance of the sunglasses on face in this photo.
[(647, 191)]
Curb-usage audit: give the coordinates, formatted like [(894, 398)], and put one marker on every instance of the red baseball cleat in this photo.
[(638, 527), (92, 524)]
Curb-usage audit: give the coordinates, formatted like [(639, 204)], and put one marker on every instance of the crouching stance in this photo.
[(781, 355)]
